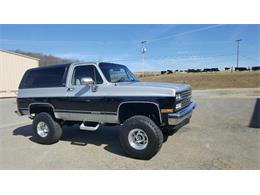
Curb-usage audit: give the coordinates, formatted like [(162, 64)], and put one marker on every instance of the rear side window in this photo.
[(45, 77)]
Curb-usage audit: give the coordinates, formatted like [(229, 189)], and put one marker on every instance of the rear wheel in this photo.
[(140, 137), (45, 129)]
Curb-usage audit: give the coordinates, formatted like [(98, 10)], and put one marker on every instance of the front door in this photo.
[(81, 97), (84, 103)]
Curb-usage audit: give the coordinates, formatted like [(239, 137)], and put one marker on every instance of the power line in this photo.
[(186, 57), (251, 59)]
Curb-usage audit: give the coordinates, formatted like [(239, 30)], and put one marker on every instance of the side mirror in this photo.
[(87, 81)]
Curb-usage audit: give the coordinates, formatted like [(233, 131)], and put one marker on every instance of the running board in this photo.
[(88, 128)]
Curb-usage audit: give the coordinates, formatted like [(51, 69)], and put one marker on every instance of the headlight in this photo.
[(178, 106), (178, 96)]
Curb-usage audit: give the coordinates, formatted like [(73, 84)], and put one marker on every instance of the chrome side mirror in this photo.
[(87, 81)]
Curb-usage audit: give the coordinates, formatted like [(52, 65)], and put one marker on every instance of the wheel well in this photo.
[(128, 110), (38, 108)]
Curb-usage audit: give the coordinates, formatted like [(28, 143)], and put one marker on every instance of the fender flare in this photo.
[(41, 103), (140, 102)]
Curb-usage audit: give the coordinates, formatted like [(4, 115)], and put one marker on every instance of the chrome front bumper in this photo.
[(180, 116)]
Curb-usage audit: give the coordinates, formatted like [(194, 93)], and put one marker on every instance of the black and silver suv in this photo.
[(94, 94)]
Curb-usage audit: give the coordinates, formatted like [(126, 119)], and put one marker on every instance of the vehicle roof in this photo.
[(69, 64), (51, 66), (94, 62)]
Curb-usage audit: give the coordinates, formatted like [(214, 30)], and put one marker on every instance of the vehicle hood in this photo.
[(176, 86), (146, 88)]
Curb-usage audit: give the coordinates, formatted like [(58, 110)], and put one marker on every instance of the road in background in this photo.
[(220, 136)]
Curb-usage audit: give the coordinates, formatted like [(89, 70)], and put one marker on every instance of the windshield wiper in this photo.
[(120, 80)]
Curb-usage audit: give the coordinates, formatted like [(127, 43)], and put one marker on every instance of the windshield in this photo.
[(117, 73)]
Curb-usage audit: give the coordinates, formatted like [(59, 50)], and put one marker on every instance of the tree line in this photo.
[(44, 58)]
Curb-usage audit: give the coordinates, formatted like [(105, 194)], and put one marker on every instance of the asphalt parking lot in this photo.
[(224, 133)]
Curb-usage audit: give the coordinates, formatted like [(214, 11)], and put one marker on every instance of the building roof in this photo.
[(18, 54)]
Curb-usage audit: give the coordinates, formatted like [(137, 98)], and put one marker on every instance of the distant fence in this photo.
[(166, 72), (241, 69), (253, 68)]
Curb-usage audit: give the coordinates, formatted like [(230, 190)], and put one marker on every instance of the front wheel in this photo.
[(140, 137)]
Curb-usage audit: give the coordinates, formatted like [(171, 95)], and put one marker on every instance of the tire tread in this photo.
[(156, 130), (57, 130)]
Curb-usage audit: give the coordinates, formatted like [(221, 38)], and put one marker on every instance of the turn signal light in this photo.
[(166, 110)]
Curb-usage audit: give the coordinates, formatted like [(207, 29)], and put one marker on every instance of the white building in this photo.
[(12, 67)]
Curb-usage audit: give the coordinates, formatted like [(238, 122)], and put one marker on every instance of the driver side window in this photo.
[(85, 71)]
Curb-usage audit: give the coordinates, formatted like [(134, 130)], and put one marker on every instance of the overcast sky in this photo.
[(168, 46)]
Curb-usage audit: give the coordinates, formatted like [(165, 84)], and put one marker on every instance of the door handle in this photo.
[(70, 89)]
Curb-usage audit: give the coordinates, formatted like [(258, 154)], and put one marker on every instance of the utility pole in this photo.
[(143, 50), (238, 49)]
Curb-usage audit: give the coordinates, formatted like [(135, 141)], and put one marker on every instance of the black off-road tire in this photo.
[(153, 132), (55, 130)]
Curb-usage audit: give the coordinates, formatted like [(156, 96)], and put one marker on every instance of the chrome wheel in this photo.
[(42, 129), (138, 139)]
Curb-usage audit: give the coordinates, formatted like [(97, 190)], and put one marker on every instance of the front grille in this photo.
[(185, 99), (185, 102), (186, 94)]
